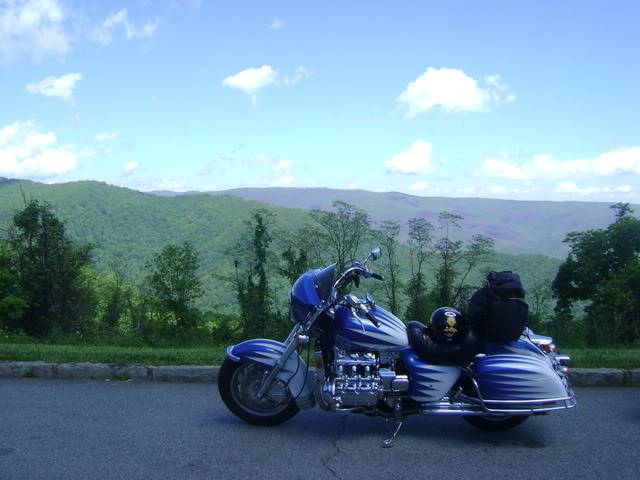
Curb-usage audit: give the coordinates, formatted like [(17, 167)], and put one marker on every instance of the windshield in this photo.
[(310, 290)]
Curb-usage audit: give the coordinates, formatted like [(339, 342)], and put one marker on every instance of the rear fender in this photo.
[(295, 373)]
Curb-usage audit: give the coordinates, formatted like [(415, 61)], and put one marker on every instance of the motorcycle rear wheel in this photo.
[(495, 423), (238, 384)]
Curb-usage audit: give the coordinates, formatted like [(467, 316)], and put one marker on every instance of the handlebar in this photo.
[(353, 271), (376, 275)]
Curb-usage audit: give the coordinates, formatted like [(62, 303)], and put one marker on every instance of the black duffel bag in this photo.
[(508, 312)]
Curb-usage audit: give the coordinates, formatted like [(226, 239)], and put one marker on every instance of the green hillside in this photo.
[(516, 226), (136, 225)]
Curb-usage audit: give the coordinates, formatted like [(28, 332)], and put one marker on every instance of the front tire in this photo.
[(495, 423), (238, 384)]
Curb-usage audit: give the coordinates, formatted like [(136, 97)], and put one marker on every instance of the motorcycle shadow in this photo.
[(328, 427)]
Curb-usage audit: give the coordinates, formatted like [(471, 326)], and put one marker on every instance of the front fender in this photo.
[(295, 373)]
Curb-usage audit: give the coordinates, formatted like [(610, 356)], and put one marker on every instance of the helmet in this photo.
[(447, 325)]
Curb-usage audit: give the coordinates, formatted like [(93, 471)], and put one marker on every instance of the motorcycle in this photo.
[(365, 364)]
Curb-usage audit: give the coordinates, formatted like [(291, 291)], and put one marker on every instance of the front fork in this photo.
[(293, 341)]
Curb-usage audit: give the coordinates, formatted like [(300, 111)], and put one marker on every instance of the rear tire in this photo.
[(238, 383), (494, 423)]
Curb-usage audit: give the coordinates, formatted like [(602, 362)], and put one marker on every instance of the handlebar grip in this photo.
[(377, 276)]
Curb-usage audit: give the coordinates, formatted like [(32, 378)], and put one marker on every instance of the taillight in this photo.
[(548, 348)]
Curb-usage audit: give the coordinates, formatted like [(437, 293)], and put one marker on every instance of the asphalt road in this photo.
[(62, 429)]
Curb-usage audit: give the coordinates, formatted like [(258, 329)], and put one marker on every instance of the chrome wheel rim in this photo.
[(245, 383)]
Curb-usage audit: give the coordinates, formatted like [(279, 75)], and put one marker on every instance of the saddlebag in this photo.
[(523, 379)]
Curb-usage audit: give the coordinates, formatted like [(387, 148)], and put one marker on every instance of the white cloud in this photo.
[(103, 33), (418, 186), (27, 152), (32, 27), (281, 166), (251, 80), (572, 188), (545, 167), (453, 90), (284, 181), (131, 167), (277, 24), (60, 87), (496, 167), (300, 73), (106, 136), (497, 189), (626, 160), (417, 159), (156, 184)]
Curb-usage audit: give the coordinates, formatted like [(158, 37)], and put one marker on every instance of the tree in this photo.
[(388, 237), (450, 252), (174, 282), (13, 303), (478, 251), (54, 274), (603, 270), (257, 313), (456, 261), (117, 295), (296, 251), (622, 211), (341, 233), (540, 300), (420, 238)]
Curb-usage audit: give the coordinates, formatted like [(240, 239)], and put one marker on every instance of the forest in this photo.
[(51, 287)]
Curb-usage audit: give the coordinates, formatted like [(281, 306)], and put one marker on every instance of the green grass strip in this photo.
[(110, 354), (624, 358)]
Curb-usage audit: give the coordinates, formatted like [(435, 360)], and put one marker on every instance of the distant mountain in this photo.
[(516, 226)]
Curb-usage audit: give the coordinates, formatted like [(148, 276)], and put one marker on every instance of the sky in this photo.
[(531, 100)]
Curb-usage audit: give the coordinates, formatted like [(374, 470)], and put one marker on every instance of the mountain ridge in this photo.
[(518, 226)]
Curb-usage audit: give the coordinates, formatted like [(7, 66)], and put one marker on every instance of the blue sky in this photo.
[(526, 100)]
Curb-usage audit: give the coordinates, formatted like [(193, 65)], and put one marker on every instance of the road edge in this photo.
[(580, 377)]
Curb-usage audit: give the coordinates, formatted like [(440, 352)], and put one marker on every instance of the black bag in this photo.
[(505, 285), (508, 313)]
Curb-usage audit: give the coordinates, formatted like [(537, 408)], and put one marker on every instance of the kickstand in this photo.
[(393, 431)]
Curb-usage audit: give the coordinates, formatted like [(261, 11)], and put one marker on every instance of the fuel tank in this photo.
[(354, 331)]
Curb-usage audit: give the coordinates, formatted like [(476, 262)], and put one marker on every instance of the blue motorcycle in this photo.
[(365, 363)]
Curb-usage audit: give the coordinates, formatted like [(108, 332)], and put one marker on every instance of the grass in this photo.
[(110, 354), (625, 358)]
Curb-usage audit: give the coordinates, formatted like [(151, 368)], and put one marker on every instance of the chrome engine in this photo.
[(360, 379)]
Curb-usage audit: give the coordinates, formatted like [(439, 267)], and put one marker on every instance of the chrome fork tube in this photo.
[(292, 344)]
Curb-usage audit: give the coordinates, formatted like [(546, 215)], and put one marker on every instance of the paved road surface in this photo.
[(57, 429)]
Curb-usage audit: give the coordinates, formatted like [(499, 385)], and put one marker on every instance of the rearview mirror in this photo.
[(375, 253)]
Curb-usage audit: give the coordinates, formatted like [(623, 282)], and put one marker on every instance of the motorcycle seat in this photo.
[(457, 354)]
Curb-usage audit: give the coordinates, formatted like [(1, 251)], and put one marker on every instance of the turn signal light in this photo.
[(549, 348)]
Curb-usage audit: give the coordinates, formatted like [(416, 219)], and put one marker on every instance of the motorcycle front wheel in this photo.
[(238, 384), (495, 423)]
